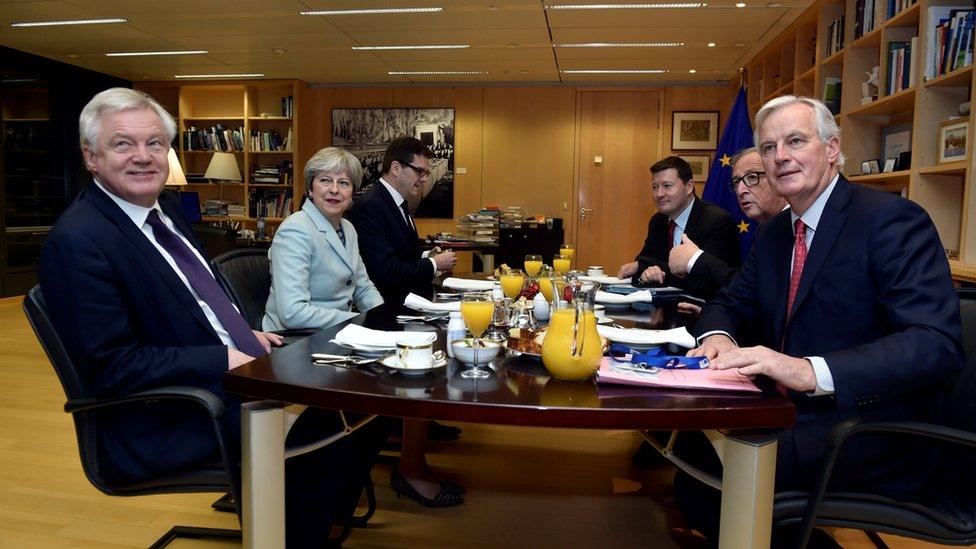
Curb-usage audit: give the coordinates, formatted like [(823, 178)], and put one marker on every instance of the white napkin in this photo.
[(468, 284), (604, 279), (633, 297), (636, 336), (418, 303), (357, 336)]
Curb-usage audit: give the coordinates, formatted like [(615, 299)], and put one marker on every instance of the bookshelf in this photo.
[(929, 95), (258, 122)]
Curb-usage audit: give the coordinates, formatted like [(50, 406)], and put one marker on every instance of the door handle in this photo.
[(583, 212)]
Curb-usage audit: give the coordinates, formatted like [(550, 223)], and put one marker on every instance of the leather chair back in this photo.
[(245, 274), (216, 240)]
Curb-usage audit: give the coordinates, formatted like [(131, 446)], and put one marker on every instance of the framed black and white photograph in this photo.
[(952, 140), (889, 165), (694, 131), (874, 167), (865, 167), (699, 165), (367, 132)]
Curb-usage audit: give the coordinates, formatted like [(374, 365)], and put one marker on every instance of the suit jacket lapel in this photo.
[(149, 253), (828, 228), (693, 217), (408, 233), (328, 231)]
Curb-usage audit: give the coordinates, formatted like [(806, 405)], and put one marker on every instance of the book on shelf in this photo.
[(949, 42), (215, 138), (835, 36), (276, 174), (866, 18), (831, 95), (287, 106), (266, 202), (897, 6), (902, 58)]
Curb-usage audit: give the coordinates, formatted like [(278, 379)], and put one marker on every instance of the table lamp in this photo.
[(223, 167), (176, 176)]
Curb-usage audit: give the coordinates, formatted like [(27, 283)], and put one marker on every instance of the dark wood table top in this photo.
[(519, 392)]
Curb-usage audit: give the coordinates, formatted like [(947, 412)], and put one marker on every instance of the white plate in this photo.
[(392, 362), (365, 349)]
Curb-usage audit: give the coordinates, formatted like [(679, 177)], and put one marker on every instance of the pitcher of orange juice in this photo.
[(572, 349)]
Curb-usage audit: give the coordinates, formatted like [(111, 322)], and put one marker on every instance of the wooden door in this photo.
[(619, 140)]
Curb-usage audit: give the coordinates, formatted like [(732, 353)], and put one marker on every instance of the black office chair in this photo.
[(216, 240), (84, 409), (947, 513)]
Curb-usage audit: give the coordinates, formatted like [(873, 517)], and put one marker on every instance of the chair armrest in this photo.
[(203, 397)]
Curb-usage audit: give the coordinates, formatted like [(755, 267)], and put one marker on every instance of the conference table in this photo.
[(519, 392)]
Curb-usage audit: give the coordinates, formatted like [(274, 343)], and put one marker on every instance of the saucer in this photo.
[(393, 363), (604, 320)]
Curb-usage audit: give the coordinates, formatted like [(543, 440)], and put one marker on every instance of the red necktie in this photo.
[(799, 259), (671, 226)]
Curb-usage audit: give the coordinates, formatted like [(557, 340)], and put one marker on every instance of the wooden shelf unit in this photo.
[(946, 190), (251, 105)]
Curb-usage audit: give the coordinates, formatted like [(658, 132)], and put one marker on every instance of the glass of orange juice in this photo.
[(477, 309), (560, 264), (533, 263), (545, 286), (512, 283), (567, 251)]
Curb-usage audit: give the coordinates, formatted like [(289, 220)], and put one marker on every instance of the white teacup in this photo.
[(599, 311), (415, 355), (595, 270)]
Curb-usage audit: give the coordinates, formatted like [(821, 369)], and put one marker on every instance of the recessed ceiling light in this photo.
[(372, 11), (613, 71), (711, 44), (692, 71), (229, 75), (421, 47), (139, 53), (103, 21), (739, 45), (622, 45), (624, 6), (434, 73), (740, 4)]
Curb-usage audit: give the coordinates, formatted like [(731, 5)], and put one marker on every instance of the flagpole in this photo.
[(742, 77)]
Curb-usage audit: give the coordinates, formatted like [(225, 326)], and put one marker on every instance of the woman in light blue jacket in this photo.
[(317, 276)]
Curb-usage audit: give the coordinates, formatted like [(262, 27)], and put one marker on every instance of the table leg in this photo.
[(263, 474), (747, 492)]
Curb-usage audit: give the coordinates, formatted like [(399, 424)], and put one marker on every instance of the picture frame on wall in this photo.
[(694, 130), (953, 135), (700, 164)]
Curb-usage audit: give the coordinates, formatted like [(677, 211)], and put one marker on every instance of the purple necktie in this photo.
[(205, 285)]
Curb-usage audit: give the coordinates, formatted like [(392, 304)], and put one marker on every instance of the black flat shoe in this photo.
[(444, 498), (441, 432)]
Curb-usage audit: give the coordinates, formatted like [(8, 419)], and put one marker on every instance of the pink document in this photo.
[(681, 378)]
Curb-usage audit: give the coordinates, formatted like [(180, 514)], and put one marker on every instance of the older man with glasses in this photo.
[(710, 273)]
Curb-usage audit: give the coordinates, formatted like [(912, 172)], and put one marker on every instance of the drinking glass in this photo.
[(533, 263), (477, 311), (512, 283), (567, 251), (560, 264)]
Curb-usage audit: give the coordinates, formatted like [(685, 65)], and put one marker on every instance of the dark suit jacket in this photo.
[(708, 226), (129, 324), (389, 247), (875, 301)]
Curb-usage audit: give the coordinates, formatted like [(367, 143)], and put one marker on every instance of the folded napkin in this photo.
[(468, 284), (602, 279), (354, 335), (633, 297), (636, 336), (421, 304)]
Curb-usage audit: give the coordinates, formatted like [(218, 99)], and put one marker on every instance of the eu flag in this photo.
[(736, 136)]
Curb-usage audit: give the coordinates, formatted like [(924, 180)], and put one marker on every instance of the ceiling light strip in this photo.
[(103, 21), (422, 47), (373, 11), (229, 75), (613, 71), (435, 73), (146, 53), (622, 45), (625, 6)]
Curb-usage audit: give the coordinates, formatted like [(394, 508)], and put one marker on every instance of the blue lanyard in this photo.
[(655, 358)]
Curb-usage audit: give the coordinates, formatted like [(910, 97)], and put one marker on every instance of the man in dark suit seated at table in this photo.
[(388, 238), (857, 313), (128, 288), (709, 273), (680, 213)]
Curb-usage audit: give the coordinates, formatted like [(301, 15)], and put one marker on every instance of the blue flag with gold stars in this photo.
[(736, 136)]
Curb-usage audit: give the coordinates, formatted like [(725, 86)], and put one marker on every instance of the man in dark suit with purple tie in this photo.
[(856, 311), (129, 291)]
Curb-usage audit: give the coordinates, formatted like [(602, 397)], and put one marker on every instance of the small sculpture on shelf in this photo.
[(869, 89)]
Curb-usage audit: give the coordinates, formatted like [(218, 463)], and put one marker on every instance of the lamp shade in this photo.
[(176, 176), (223, 166)]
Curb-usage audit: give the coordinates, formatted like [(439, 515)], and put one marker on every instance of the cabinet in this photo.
[(257, 122), (515, 243), (799, 62)]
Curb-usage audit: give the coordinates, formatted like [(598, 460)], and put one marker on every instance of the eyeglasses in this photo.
[(751, 179), (420, 171)]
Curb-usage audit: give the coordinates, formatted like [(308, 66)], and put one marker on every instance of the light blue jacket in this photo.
[(315, 280)]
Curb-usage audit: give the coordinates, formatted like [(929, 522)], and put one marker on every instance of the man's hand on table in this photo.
[(627, 270), (722, 352)]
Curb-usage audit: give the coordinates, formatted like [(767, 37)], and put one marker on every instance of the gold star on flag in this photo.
[(743, 227), (725, 160)]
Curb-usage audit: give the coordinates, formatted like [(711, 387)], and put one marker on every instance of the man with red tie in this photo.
[(680, 212), (856, 311)]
